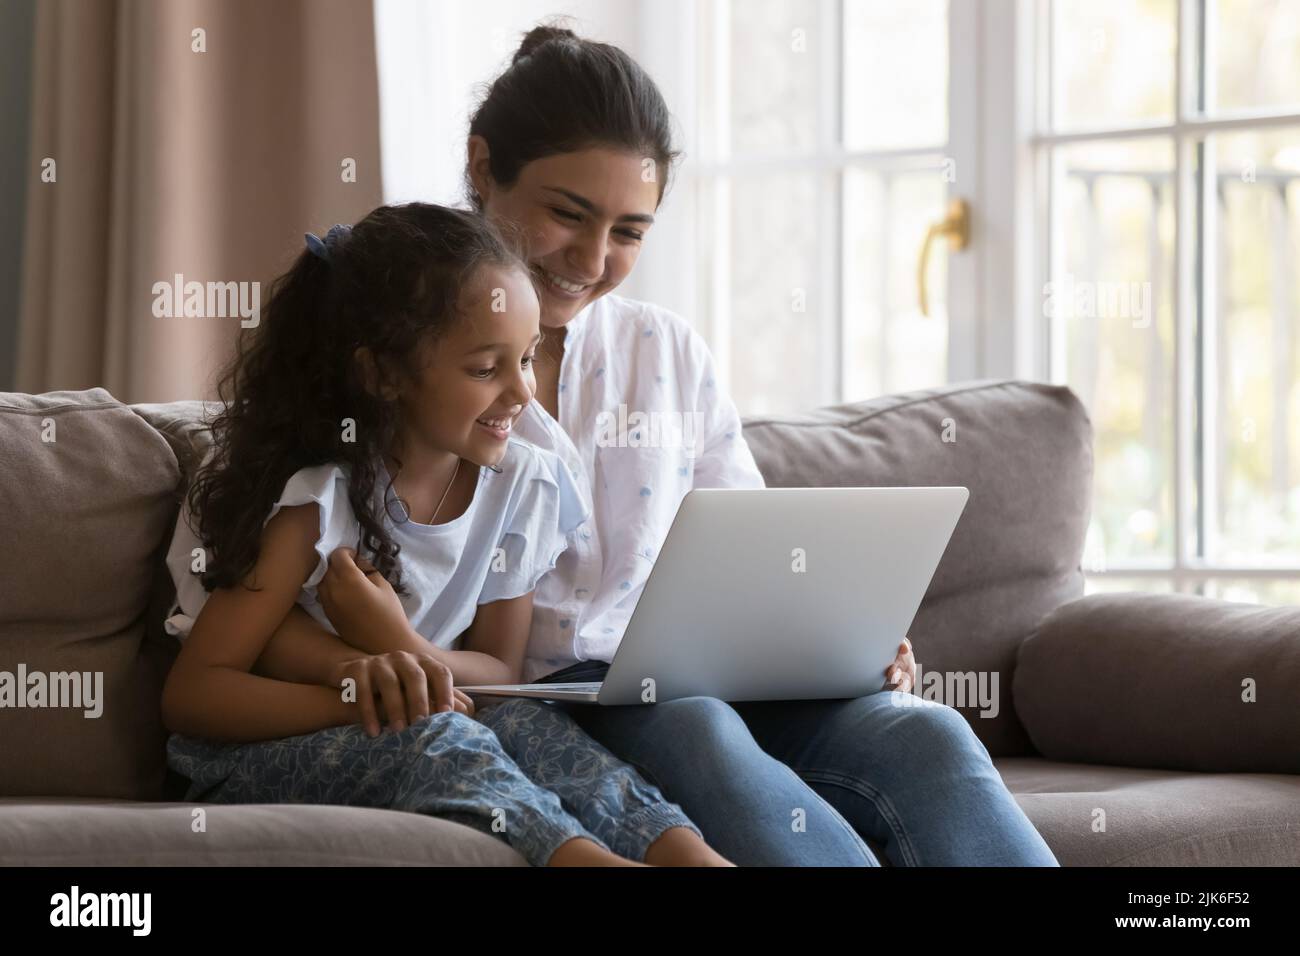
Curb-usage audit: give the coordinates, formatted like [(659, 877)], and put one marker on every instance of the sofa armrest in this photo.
[(1164, 680)]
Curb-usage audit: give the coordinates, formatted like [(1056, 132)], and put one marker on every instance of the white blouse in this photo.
[(642, 421)]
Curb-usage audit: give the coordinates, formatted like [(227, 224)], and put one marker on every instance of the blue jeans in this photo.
[(522, 771), (799, 783)]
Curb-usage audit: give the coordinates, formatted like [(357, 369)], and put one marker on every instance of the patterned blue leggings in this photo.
[(521, 769)]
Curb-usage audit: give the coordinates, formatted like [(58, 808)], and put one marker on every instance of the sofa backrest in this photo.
[(1025, 452), (88, 491)]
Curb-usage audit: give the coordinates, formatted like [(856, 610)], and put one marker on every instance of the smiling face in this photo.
[(475, 381), (585, 215)]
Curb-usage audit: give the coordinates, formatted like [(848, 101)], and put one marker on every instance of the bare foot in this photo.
[(679, 846), (582, 852)]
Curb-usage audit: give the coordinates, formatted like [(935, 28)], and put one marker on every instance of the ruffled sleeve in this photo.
[(327, 486), (549, 506), (324, 484), (181, 564)]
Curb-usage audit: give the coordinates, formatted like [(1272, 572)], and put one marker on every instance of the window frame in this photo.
[(1196, 404), (708, 170)]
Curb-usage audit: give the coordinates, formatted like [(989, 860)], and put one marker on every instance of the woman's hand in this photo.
[(902, 673), (404, 683), (360, 602)]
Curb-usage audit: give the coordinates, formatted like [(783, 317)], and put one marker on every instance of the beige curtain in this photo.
[(171, 161)]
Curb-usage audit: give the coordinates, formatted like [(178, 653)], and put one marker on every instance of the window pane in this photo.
[(1111, 305), (777, 310), (1109, 584), (1256, 54), (775, 63), (895, 73), (1273, 591), (1257, 253), (1113, 62), (889, 346)]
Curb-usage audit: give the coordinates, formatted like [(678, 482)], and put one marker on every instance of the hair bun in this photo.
[(539, 35)]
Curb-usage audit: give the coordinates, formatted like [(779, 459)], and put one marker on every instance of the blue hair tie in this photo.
[(320, 248)]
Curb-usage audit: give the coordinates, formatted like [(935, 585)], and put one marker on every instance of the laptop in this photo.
[(774, 594)]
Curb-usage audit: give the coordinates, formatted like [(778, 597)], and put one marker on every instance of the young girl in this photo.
[(373, 412)]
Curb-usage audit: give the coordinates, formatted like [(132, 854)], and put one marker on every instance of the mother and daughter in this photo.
[(406, 493)]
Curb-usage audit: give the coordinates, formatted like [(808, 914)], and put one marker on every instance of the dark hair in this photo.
[(562, 93), (393, 284)]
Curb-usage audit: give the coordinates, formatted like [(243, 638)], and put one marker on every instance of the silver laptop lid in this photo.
[(782, 593)]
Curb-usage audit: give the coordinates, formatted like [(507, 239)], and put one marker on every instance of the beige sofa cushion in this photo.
[(88, 493), (1125, 816), (1164, 680), (110, 833)]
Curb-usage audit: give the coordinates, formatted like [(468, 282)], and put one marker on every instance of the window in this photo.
[(1168, 136), (821, 154)]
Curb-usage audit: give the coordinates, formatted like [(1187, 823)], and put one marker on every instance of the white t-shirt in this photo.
[(624, 360), (527, 511)]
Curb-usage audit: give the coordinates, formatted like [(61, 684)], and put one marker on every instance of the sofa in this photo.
[(1133, 729)]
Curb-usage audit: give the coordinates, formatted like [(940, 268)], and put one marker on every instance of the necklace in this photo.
[(552, 358), (406, 510)]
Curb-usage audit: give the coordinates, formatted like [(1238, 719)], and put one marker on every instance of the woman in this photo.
[(572, 145)]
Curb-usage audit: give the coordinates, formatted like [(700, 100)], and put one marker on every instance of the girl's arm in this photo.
[(302, 651), (369, 615), (500, 631), (210, 691)]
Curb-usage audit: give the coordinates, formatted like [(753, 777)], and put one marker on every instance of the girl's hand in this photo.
[(359, 601), (404, 683), (902, 673)]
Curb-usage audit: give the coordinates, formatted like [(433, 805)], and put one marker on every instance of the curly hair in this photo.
[(295, 395)]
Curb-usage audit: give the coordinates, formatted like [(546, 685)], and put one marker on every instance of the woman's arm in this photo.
[(211, 692)]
